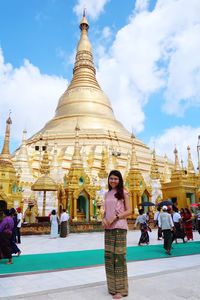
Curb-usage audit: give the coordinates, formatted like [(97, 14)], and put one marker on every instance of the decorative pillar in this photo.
[(91, 210), (75, 210), (70, 206), (44, 204)]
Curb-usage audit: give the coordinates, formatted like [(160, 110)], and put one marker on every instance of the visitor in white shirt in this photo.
[(166, 224), (64, 224)]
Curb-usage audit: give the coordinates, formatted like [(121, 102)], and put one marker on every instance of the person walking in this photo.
[(14, 247), (142, 220), (156, 217), (116, 210), (54, 224), (166, 224), (187, 221), (6, 229), (198, 218), (64, 224), (19, 225), (179, 232)]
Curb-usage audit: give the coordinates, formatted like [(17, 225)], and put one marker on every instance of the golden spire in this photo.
[(133, 163), (45, 167), (84, 96), (166, 171), (102, 172), (6, 151), (154, 173), (23, 154), (76, 158), (190, 167), (176, 163)]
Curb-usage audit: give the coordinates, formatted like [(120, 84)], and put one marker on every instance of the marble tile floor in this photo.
[(89, 282)]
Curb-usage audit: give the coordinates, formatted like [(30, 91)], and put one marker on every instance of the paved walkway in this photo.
[(171, 278)]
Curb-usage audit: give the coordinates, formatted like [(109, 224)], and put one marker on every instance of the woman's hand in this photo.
[(111, 220), (105, 223)]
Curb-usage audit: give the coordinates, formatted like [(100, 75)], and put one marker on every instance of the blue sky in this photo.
[(146, 54)]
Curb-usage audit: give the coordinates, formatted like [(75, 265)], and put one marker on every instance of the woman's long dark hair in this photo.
[(120, 188)]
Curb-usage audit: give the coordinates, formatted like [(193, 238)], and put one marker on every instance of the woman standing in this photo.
[(54, 224), (117, 209), (187, 220), (64, 230)]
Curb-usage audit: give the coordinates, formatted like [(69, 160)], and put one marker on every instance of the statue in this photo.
[(32, 210)]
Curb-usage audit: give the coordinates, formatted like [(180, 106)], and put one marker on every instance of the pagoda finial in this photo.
[(45, 167), (133, 163), (154, 173), (176, 163), (76, 157), (84, 23), (190, 167), (6, 151), (102, 172), (84, 12)]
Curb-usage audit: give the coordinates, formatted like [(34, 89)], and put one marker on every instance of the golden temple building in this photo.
[(10, 190), (85, 142), (183, 188)]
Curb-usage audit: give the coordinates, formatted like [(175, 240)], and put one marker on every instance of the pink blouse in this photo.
[(112, 207)]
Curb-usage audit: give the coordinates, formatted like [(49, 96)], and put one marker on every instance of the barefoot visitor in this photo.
[(117, 209)]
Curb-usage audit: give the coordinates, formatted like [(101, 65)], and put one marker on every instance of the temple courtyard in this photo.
[(150, 277)]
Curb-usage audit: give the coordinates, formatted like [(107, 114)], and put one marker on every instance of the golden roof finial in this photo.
[(24, 136), (154, 173), (84, 23), (102, 172), (176, 163), (133, 163), (76, 157), (6, 151), (45, 167), (190, 167)]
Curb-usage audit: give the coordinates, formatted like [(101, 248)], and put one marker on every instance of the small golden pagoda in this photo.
[(10, 191), (135, 184), (80, 193), (154, 172), (155, 182), (45, 182), (102, 172), (183, 187)]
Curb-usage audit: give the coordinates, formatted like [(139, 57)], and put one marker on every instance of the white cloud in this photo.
[(179, 136), (141, 5), (31, 95), (93, 7), (106, 32), (156, 51)]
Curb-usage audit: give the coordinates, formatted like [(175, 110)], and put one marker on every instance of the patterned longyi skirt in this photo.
[(115, 261)]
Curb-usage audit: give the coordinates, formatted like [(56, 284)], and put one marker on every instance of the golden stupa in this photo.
[(85, 142), (85, 102), (103, 143)]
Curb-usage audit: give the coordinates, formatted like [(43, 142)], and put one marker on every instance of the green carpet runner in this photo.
[(88, 258)]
